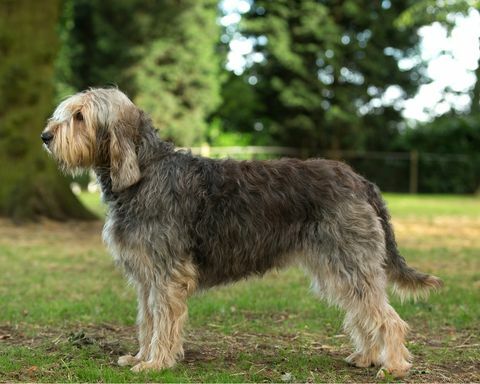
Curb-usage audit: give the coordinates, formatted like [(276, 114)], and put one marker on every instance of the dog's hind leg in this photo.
[(367, 349), (168, 301), (376, 330), (348, 270)]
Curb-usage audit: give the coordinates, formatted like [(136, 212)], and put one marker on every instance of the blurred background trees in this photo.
[(323, 76), (30, 184), (163, 54), (178, 76), (326, 67)]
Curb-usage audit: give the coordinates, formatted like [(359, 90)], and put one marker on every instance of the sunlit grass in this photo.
[(402, 205), (59, 283), (94, 202)]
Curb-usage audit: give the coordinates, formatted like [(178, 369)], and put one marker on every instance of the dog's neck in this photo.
[(105, 182), (149, 148)]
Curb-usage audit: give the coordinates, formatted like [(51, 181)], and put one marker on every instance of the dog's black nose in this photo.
[(46, 137)]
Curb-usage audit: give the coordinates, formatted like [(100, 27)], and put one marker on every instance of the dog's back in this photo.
[(256, 215)]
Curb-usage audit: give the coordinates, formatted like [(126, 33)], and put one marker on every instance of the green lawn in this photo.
[(66, 313), (433, 205)]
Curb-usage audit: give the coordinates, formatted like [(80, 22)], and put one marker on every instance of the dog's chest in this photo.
[(115, 245), (127, 251), (140, 251)]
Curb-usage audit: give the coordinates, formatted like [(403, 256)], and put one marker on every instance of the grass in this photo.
[(431, 206), (66, 313)]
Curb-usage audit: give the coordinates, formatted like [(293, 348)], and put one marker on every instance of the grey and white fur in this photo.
[(178, 223)]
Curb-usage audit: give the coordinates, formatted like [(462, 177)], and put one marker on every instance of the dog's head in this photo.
[(96, 128)]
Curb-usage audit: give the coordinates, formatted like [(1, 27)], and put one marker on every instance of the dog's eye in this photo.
[(78, 116)]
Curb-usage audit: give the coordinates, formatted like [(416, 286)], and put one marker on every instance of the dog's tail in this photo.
[(406, 280)]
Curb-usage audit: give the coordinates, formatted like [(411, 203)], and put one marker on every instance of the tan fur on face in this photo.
[(75, 124), (74, 135)]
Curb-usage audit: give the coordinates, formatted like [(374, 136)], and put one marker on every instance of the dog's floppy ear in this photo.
[(124, 168)]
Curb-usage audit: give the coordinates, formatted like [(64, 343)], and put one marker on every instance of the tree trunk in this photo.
[(475, 108), (30, 185)]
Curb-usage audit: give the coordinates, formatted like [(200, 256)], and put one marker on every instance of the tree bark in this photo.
[(475, 108), (30, 185)]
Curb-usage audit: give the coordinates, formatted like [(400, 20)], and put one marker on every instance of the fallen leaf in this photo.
[(32, 370)]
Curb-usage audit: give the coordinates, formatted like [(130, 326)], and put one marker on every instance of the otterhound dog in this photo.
[(177, 223)]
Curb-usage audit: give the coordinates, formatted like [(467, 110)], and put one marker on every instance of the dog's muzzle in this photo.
[(46, 137)]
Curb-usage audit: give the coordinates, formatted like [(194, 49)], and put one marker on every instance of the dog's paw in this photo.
[(153, 365), (148, 366), (358, 360), (127, 360), (395, 372)]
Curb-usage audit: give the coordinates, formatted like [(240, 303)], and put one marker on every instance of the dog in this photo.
[(178, 223)]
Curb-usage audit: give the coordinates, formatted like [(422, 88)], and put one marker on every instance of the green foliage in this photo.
[(218, 137), (447, 134), (455, 167), (178, 75), (240, 115), (161, 53), (326, 67), (424, 12), (240, 105), (448, 159), (100, 43)]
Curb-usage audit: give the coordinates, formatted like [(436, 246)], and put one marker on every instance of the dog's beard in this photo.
[(64, 166), (68, 169), (46, 148)]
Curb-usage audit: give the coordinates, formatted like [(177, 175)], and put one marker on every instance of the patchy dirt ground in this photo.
[(437, 358), (425, 233), (210, 346), (443, 231)]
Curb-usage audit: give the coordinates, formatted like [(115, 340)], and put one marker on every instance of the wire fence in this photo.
[(411, 172)]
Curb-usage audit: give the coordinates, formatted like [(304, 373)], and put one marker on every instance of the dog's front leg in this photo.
[(145, 327), (168, 301)]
